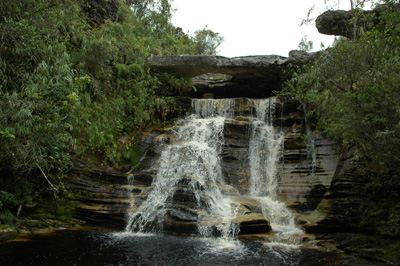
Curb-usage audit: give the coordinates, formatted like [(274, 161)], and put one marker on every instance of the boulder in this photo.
[(339, 22)]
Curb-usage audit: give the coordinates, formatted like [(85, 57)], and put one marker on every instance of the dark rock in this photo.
[(254, 227), (335, 22), (313, 198), (346, 201), (179, 227), (103, 194), (186, 197), (239, 67), (338, 22), (144, 178)]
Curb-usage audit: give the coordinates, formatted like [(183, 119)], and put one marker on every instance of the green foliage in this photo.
[(36, 77), (74, 79), (7, 202), (305, 44), (352, 94), (207, 41)]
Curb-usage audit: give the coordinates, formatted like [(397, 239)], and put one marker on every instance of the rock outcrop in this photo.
[(306, 167), (248, 76), (304, 179), (343, 201), (339, 22), (103, 195)]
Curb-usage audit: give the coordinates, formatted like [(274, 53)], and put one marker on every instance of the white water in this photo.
[(195, 156), (265, 149)]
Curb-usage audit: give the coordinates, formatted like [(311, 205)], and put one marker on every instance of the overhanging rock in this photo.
[(248, 76), (340, 22)]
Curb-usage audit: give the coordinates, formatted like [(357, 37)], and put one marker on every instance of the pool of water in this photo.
[(101, 247)]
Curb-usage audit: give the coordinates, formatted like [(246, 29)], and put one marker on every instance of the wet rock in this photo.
[(180, 221), (313, 198), (179, 227), (102, 203), (186, 197), (252, 224)]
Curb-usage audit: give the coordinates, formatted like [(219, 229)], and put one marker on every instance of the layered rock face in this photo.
[(304, 172), (103, 194), (305, 169), (342, 201), (311, 181)]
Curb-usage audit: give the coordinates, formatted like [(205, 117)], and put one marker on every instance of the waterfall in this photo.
[(265, 149), (192, 162), (194, 159)]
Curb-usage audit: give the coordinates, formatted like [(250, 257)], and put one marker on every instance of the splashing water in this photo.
[(195, 158)]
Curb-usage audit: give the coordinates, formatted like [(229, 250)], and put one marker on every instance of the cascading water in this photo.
[(265, 148), (194, 160)]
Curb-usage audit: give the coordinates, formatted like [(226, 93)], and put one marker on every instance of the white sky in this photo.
[(253, 27)]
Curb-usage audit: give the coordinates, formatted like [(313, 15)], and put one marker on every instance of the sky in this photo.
[(254, 27)]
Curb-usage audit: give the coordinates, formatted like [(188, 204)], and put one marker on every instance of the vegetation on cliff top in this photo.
[(74, 80)]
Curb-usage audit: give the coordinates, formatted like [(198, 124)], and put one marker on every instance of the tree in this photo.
[(306, 45), (207, 41)]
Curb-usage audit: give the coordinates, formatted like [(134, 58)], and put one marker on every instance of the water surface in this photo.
[(99, 247)]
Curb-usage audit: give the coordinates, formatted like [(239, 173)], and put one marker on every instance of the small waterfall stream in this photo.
[(266, 145), (192, 162)]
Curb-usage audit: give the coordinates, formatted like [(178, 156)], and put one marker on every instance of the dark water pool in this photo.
[(97, 247)]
